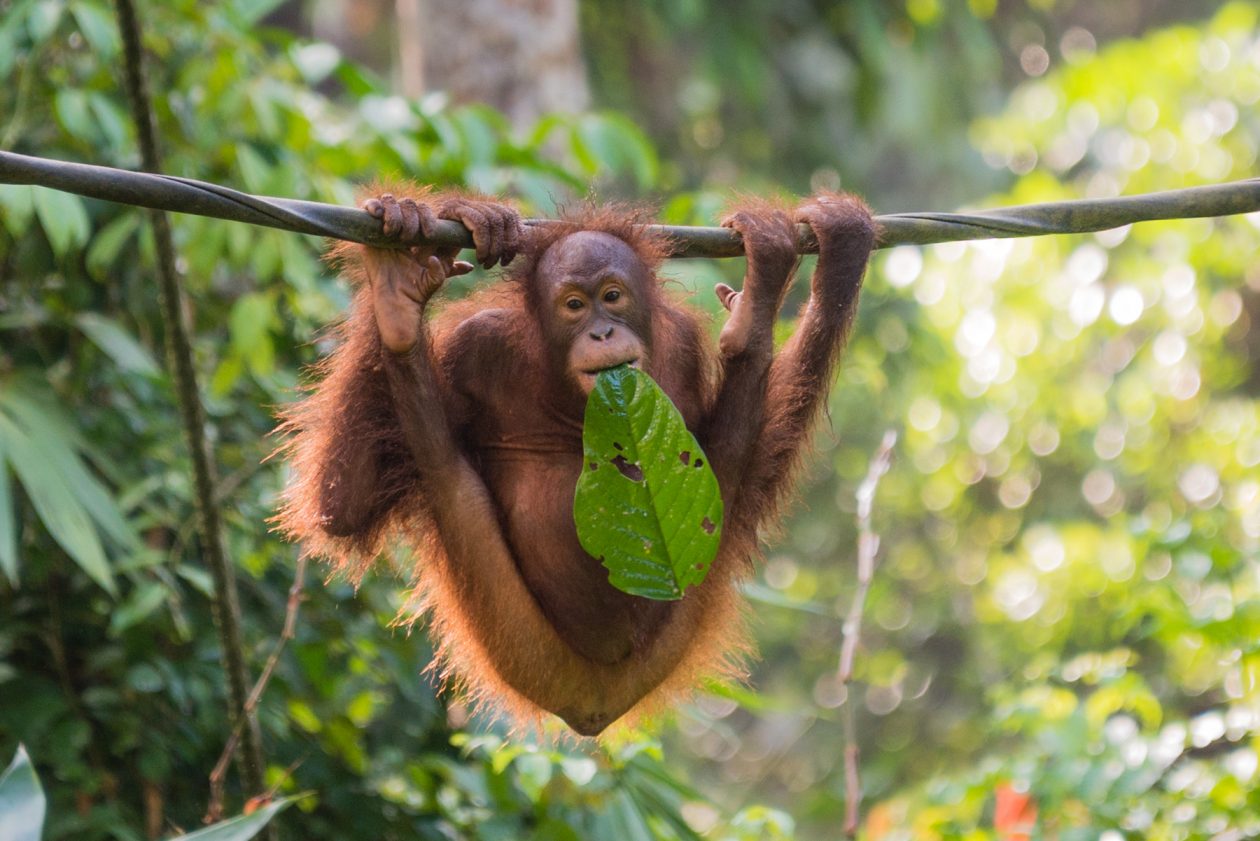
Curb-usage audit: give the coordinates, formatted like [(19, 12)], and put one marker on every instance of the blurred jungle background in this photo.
[(1062, 638)]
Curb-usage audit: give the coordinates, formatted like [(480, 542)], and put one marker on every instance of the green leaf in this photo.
[(226, 375), (624, 143), (17, 205), (44, 448), (8, 49), (63, 218), (74, 114), (249, 327), (109, 120), (534, 772), (55, 503), (8, 523), (554, 829), (315, 61), (249, 321), (52, 437), (647, 504), (357, 80), (143, 677), (108, 244), (629, 821), (583, 154), (110, 337), (43, 19), (252, 11), (240, 828), (579, 769), (22, 804), (97, 26), (255, 170), (477, 126), (138, 606)]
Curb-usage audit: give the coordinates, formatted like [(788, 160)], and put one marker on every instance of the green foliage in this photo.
[(1067, 591), (242, 827), (42, 447), (648, 505), (22, 804), (22, 808), (109, 668)]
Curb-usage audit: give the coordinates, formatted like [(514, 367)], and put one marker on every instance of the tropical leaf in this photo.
[(97, 26), (45, 452), (55, 504), (64, 219), (22, 804), (59, 444), (108, 243), (113, 338), (647, 503), (240, 828), (17, 202), (8, 523)]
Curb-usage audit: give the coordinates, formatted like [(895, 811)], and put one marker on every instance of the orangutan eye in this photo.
[(574, 303), (612, 295)]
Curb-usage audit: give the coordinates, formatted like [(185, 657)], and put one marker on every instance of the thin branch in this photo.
[(867, 551), (184, 195), (852, 775), (179, 354), (215, 810)]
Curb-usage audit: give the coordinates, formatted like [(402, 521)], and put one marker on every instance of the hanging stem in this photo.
[(180, 361), (867, 551), (215, 810)]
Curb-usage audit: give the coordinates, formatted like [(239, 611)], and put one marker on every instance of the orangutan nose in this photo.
[(601, 333)]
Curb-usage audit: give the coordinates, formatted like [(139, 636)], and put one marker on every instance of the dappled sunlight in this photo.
[(1059, 638), (1080, 443)]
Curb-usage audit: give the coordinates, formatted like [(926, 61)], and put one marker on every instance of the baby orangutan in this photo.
[(462, 433)]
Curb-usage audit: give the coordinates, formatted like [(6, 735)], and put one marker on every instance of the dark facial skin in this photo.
[(596, 312)]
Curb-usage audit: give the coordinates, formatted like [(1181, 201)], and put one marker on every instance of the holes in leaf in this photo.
[(618, 446), (594, 465), (629, 469), (708, 525), (699, 463), (685, 457)]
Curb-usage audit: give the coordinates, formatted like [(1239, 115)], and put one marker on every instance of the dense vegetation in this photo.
[(1065, 616)]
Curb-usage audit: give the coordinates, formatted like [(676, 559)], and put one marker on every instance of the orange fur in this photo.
[(348, 426)]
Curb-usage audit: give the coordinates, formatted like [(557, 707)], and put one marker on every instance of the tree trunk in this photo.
[(521, 56)]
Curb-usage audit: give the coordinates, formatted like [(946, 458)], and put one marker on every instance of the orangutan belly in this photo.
[(597, 620)]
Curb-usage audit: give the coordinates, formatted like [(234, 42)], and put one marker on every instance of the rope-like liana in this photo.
[(226, 606), (184, 195)]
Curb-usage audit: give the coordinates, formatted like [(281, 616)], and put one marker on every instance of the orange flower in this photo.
[(1014, 813)]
